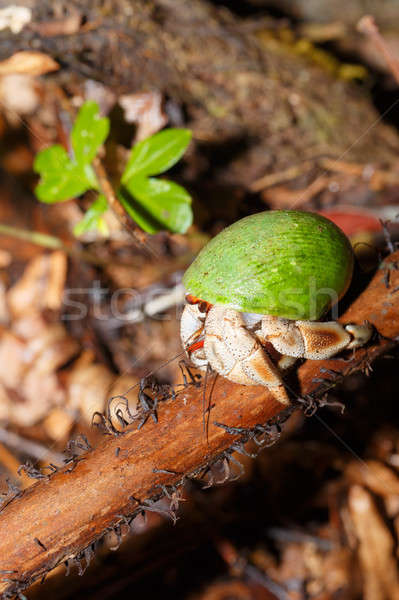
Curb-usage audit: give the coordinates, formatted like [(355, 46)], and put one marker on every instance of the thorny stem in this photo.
[(71, 509)]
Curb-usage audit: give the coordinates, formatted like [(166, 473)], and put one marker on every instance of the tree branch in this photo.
[(60, 516)]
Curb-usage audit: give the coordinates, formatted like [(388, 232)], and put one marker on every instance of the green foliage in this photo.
[(93, 218), (159, 204), (89, 132), (155, 204), (157, 153), (61, 177)]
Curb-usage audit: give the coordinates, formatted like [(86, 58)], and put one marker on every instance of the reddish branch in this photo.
[(57, 518)]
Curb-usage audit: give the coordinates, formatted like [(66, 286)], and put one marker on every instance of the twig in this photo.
[(274, 178), (73, 508), (150, 307), (49, 241), (32, 449), (368, 26)]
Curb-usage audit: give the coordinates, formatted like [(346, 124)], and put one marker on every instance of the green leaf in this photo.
[(157, 153), (61, 178), (54, 158), (93, 218), (88, 133), (157, 204)]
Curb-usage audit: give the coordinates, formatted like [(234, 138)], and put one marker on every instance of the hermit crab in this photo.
[(257, 291)]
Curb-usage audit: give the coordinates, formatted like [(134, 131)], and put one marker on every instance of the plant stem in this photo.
[(34, 237), (114, 203), (49, 241)]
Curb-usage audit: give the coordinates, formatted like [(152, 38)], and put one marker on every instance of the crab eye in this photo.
[(190, 299), (203, 307)]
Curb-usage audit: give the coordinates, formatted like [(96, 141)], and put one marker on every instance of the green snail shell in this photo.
[(286, 263)]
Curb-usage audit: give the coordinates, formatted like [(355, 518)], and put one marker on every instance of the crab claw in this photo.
[(360, 334), (306, 339), (323, 340)]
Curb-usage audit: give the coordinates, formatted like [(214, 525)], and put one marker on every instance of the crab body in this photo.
[(255, 292)]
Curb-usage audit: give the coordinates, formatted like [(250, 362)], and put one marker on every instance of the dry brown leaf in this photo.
[(58, 424), (68, 25), (39, 393), (234, 588), (13, 361), (4, 315), (28, 62), (4, 403), (5, 258), (373, 474), (375, 547), (145, 109), (103, 95), (15, 17), (30, 354), (87, 389), (19, 95), (41, 285)]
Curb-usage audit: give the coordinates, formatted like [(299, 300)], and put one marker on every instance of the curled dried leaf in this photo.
[(28, 62)]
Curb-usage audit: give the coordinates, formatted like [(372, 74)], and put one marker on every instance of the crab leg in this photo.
[(236, 354)]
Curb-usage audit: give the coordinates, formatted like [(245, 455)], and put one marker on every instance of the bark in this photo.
[(254, 104), (61, 516)]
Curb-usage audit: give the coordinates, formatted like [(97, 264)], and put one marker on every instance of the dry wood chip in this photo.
[(375, 549)]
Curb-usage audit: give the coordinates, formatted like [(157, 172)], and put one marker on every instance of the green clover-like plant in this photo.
[(155, 204)]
